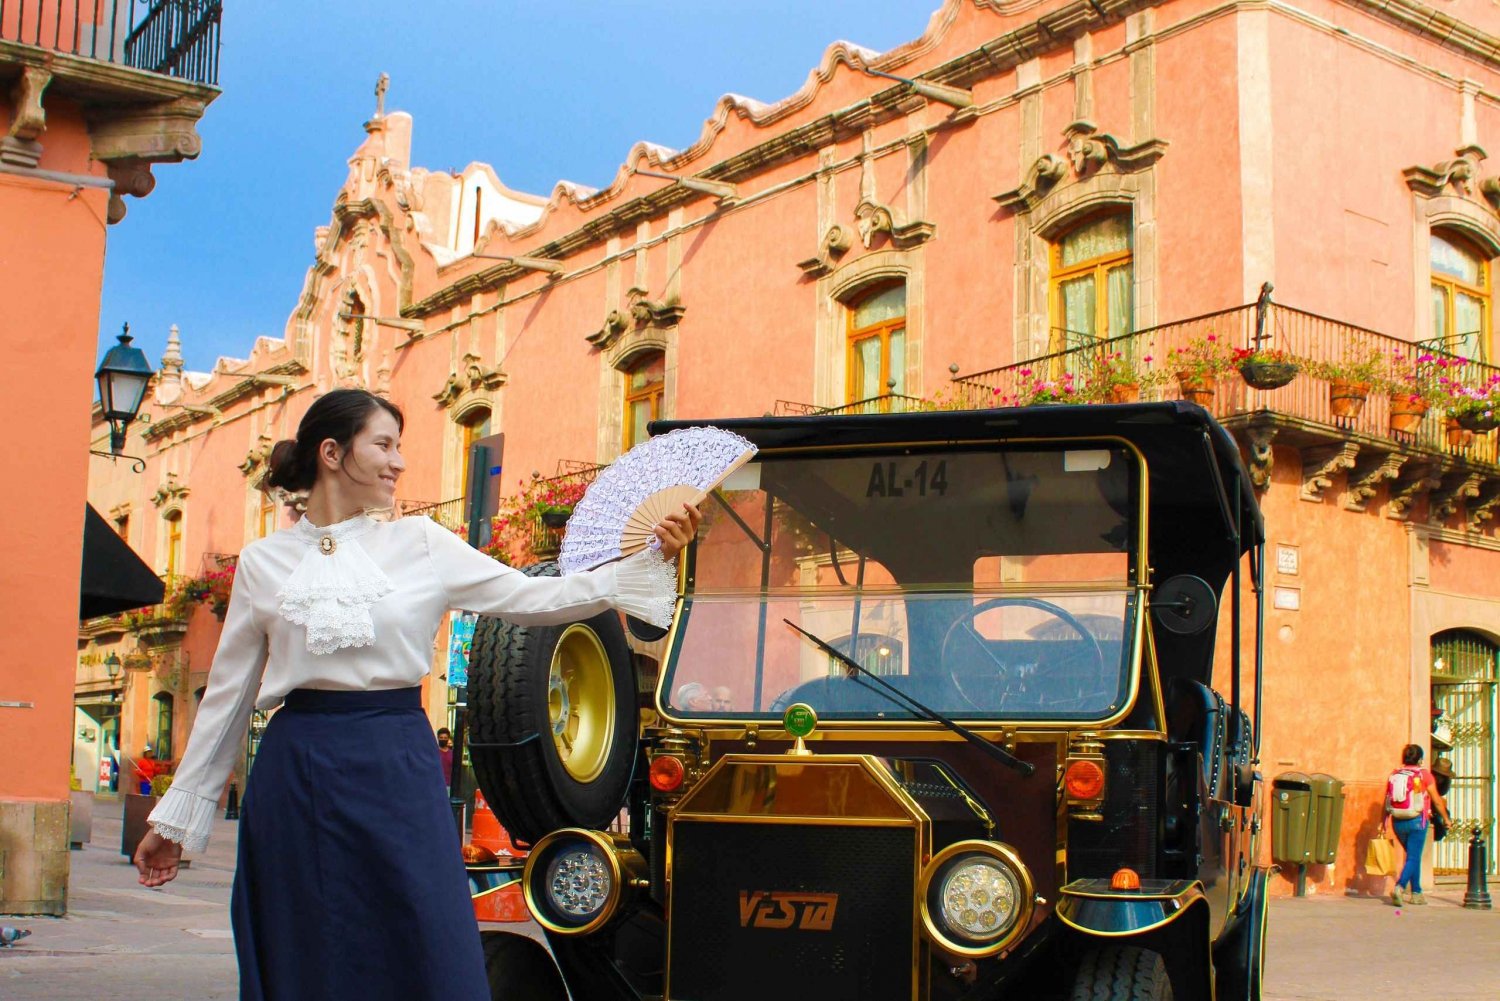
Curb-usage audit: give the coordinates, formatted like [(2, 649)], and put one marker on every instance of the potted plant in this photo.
[(554, 515), (1117, 378), (1265, 368), (1035, 389), (1349, 381), (1474, 408), (1411, 382), (1199, 364)]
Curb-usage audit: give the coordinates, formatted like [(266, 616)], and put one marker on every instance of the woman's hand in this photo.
[(156, 859), (677, 530)]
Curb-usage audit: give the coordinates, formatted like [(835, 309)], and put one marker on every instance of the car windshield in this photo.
[(988, 583)]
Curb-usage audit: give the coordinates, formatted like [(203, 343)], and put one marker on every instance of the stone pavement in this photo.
[(122, 942)]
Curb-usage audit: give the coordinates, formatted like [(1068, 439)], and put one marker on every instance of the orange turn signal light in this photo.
[(1084, 779), (1125, 879), (667, 773)]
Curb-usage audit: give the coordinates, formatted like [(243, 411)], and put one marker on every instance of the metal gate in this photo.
[(1463, 688)]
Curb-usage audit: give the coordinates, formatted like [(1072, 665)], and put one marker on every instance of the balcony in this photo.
[(175, 38), (1456, 471)]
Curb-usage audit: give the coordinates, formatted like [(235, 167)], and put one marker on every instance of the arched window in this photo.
[(1092, 276), (1460, 296), (645, 383), (1465, 671), (163, 741), (173, 519), (476, 425), (877, 343)]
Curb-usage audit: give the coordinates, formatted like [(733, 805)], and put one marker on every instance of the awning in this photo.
[(114, 579)]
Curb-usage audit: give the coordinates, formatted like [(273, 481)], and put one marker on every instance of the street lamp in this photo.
[(123, 377), (112, 666)]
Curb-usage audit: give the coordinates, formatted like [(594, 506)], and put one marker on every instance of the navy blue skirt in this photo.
[(350, 883)]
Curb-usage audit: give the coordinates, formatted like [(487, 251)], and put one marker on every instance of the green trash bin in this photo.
[(1292, 828), (1328, 816)]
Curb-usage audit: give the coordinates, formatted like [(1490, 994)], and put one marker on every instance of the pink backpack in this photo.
[(1405, 798)]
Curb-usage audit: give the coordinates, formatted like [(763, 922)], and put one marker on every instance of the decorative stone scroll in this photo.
[(1451, 493), (28, 119), (1086, 151), (1460, 173), (171, 490), (871, 217), (258, 456), (836, 244), (473, 376), (1367, 476), (1320, 465), (1416, 480), (1483, 510), (1262, 458)]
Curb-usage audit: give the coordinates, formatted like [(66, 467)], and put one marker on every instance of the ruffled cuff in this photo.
[(185, 818), (646, 587)]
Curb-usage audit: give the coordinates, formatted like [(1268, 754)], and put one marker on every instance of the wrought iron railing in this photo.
[(448, 513), (888, 403), (1305, 336), (176, 38)]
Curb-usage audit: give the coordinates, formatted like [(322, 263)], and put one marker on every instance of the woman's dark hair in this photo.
[(1411, 754), (340, 415)]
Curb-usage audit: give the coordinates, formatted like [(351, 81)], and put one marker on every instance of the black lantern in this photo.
[(123, 377), (112, 665)]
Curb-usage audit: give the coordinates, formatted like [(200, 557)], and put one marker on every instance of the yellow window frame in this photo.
[(858, 335), (1099, 267), (651, 393), (1451, 287)]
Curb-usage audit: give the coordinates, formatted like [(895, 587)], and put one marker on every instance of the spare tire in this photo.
[(552, 720)]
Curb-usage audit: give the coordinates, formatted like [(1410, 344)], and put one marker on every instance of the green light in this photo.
[(800, 720)]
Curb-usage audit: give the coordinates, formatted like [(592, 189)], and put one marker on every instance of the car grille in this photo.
[(718, 953), (1127, 835)]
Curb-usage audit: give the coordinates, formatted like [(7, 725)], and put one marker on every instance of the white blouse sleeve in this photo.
[(643, 585), (185, 814)]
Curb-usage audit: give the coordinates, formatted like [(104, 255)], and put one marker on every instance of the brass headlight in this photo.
[(575, 879), (977, 897)]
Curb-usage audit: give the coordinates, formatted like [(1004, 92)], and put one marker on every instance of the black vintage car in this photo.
[(937, 719)]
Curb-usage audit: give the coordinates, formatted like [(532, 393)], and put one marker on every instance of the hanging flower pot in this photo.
[(1347, 399), (1478, 420), (1407, 411), (1456, 434), (1123, 392), (556, 517), (1197, 389), (1265, 374)]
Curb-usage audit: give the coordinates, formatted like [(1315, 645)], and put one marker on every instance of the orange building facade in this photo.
[(92, 101), (1063, 183)]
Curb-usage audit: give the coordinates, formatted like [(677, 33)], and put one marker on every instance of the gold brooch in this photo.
[(326, 545)]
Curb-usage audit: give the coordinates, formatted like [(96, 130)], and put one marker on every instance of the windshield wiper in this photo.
[(896, 695)]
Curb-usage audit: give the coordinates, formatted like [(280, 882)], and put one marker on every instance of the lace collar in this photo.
[(335, 583)]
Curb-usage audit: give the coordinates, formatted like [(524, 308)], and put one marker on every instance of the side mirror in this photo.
[(1184, 604), (643, 630)]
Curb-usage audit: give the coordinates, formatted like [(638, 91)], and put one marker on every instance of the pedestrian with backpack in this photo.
[(1410, 797)]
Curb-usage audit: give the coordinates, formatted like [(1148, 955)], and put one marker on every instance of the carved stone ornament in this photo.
[(1483, 509), (647, 313), (473, 375), (1453, 491), (170, 490), (1416, 480), (1320, 465), (872, 217), (28, 119), (835, 244), (1262, 459), (615, 324), (1460, 174), (1368, 474), (259, 453), (1086, 151)]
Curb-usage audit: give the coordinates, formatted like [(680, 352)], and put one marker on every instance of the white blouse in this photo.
[(354, 607)]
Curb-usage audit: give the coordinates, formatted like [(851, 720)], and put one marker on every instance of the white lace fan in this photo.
[(631, 496)]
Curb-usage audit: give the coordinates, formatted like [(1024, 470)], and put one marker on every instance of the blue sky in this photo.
[(542, 91)]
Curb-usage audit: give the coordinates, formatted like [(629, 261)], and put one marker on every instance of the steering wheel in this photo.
[(962, 631)]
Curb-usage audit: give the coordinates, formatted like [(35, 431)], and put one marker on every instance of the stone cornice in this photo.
[(247, 385), (1435, 26)]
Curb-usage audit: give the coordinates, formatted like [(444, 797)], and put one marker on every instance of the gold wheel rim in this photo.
[(581, 703)]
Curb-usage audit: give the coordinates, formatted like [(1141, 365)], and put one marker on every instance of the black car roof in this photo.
[(1197, 478)]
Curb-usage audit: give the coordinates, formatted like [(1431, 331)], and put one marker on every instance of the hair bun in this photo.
[(287, 470)]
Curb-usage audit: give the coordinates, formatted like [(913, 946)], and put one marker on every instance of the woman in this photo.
[(1411, 795), (349, 883)]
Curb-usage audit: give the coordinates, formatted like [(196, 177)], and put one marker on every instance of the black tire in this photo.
[(1122, 973), (522, 772), (520, 969)]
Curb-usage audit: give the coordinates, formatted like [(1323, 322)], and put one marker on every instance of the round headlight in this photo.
[(579, 882), (576, 880), (977, 897)]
